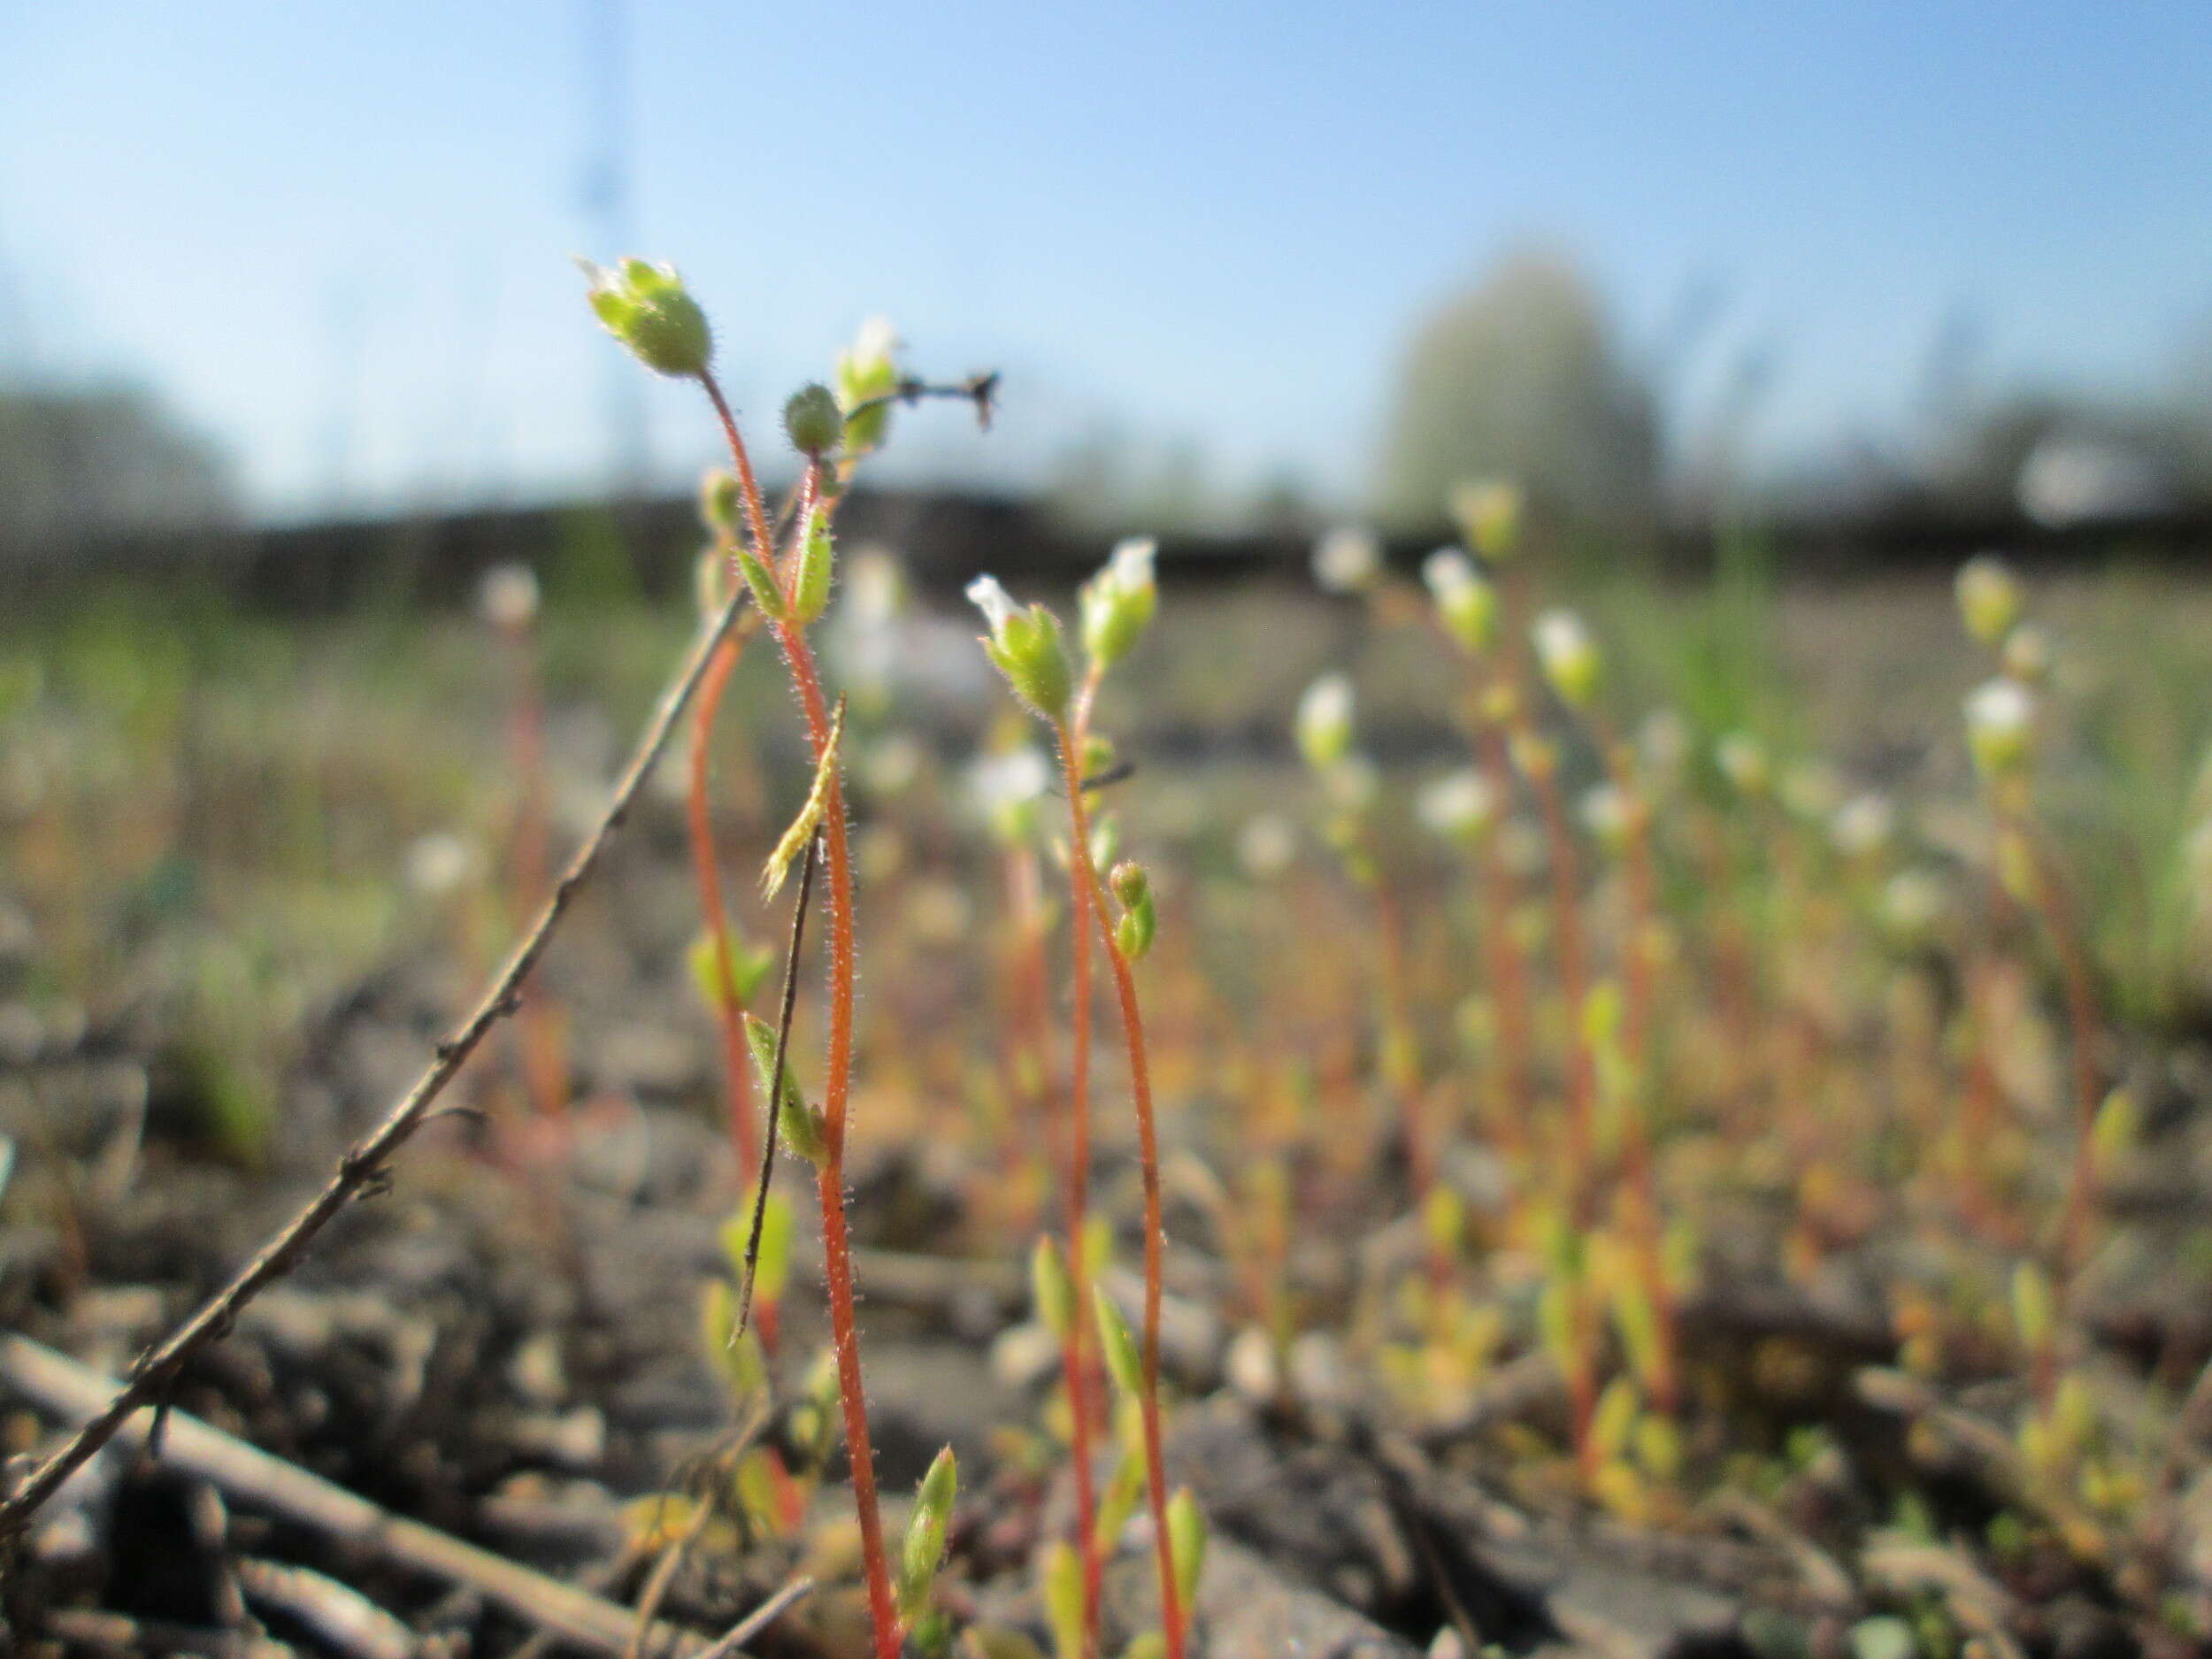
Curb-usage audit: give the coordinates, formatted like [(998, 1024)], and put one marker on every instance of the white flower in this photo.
[(2000, 724), (1458, 806), (1450, 573), (1130, 565), (1742, 760), (438, 863), (1346, 560), (1266, 844), (1605, 812), (997, 605), (1324, 721), (1863, 824), (508, 597), (1811, 789), (875, 586), (1569, 655), (1664, 739), (877, 342), (1912, 902), (1012, 778)]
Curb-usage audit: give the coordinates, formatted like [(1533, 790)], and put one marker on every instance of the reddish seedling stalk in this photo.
[(1028, 1006), (1541, 768), (1640, 1186), (1507, 962), (830, 1174), (2048, 898), (1091, 905), (1401, 1077), (1070, 736), (729, 1016)]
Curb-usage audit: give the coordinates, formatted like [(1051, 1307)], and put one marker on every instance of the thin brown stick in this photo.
[(365, 1161), (759, 1619), (252, 1476), (775, 1083)]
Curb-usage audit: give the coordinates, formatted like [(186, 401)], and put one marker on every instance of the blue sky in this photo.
[(337, 237)]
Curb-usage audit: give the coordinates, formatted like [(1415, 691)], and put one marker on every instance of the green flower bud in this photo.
[(1466, 603), (713, 582), (1123, 1364), (1989, 597), (1134, 933), (1461, 806), (1028, 648), (800, 1123), (1488, 514), (1131, 886), (648, 310), (1324, 722), (1742, 760), (1052, 1288), (748, 966), (767, 591), (1568, 656), (1118, 604), (2034, 1314), (812, 420), (721, 498), (1187, 1544), (925, 1547), (816, 558), (1065, 1598), (2118, 1125)]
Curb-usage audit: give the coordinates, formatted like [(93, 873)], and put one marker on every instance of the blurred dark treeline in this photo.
[(1523, 375)]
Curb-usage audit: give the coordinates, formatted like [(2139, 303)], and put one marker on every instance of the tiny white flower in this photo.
[(1742, 760), (1324, 721), (2000, 724), (1346, 560), (1863, 824), (1449, 574), (508, 597), (1605, 815), (1663, 740), (1458, 806), (1012, 778), (438, 863), (997, 605), (1569, 655), (1266, 844), (1913, 902), (876, 340), (1130, 563)]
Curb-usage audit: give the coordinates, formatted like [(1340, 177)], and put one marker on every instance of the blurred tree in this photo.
[(81, 465), (1522, 378)]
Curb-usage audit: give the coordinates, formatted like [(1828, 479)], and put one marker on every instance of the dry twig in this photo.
[(365, 1163)]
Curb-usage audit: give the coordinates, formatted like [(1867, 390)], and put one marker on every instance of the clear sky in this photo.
[(335, 236)]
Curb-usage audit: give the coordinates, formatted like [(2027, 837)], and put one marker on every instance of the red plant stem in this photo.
[(1507, 963), (2081, 1013), (1071, 736), (1171, 1617), (830, 1175), (729, 1016), (1640, 1195), (1401, 1077)]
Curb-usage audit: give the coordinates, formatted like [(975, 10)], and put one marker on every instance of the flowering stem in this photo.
[(1155, 1236), (830, 1174), (1084, 897)]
